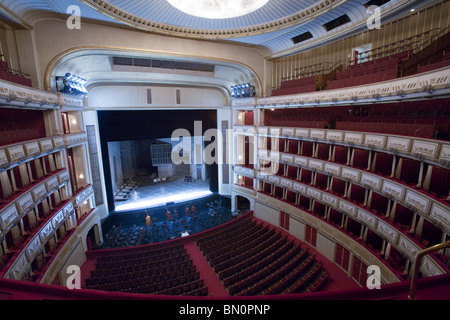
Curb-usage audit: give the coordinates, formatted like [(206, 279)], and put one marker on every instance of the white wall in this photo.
[(115, 161), (325, 246), (297, 228), (267, 214), (90, 118), (225, 114), (135, 96)]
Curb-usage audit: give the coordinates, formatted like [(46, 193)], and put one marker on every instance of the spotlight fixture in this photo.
[(245, 90), (71, 84)]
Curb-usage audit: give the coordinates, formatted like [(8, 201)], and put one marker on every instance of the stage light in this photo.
[(245, 90), (71, 84)]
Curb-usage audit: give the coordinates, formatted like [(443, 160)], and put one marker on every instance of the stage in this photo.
[(151, 193)]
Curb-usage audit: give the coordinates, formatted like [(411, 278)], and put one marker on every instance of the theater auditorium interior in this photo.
[(203, 150)]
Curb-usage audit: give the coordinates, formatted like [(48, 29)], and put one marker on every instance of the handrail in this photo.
[(409, 39), (420, 255), (432, 39)]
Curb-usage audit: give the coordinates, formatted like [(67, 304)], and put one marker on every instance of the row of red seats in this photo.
[(19, 135), (316, 284), (444, 62), (253, 240), (185, 282), (395, 58), (294, 267), (156, 265), (409, 174), (296, 259), (195, 288), (414, 130), (363, 80), (245, 280), (241, 243), (165, 272), (219, 247), (298, 82), (208, 242), (256, 261), (231, 261), (381, 69), (110, 277), (15, 250), (7, 74), (52, 255), (272, 250), (398, 119), (294, 90), (374, 67), (249, 270), (354, 227), (141, 256)]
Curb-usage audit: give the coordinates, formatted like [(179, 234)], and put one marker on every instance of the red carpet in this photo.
[(215, 286), (86, 268)]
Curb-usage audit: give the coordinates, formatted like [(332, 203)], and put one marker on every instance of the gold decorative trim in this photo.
[(128, 18)]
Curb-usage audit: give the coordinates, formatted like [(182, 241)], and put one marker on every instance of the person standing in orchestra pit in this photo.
[(193, 209), (148, 220), (168, 215)]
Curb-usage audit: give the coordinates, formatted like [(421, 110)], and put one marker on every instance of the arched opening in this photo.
[(93, 238), (242, 204)]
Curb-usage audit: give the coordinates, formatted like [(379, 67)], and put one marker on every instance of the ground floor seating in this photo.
[(164, 271), (253, 258)]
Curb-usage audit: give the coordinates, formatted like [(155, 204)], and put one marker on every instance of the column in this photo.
[(370, 161), (394, 160), (366, 196), (419, 182)]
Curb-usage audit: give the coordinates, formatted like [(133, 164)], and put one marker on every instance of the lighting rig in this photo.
[(71, 84), (243, 91)]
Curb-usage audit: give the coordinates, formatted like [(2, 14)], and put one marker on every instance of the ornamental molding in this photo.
[(106, 8)]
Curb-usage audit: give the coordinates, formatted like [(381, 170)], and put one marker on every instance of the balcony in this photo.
[(75, 139)]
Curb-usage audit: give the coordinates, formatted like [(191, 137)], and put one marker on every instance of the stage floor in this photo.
[(175, 189)]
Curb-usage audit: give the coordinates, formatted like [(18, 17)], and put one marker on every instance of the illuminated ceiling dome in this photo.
[(218, 9)]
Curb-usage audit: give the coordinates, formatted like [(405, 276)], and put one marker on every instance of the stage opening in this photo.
[(144, 175)]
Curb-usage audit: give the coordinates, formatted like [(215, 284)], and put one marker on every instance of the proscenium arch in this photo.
[(247, 74)]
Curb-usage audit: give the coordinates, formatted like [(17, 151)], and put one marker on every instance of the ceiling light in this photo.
[(217, 9)]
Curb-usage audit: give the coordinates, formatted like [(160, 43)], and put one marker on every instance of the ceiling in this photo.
[(272, 26), (98, 68)]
